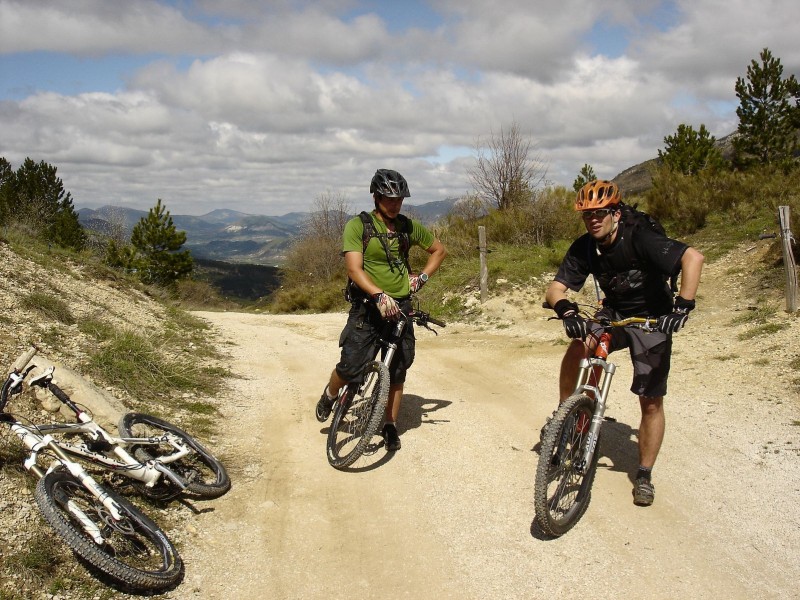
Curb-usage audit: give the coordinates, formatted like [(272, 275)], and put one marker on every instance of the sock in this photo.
[(328, 394), (644, 472)]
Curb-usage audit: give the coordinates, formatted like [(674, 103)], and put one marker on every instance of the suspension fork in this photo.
[(390, 345), (37, 443), (603, 372)]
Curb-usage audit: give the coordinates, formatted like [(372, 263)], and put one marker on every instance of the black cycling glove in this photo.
[(674, 321), (574, 323)]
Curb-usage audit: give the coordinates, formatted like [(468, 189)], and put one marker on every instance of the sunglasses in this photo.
[(599, 213)]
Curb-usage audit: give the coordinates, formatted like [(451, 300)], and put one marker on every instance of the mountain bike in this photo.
[(97, 523), (571, 437), (359, 409)]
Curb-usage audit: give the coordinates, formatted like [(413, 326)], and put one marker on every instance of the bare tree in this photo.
[(317, 250), (117, 230), (507, 172)]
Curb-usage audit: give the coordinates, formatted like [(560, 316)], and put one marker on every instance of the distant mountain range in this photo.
[(231, 236)]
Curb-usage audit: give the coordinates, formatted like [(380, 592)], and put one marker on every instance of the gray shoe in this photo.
[(644, 492)]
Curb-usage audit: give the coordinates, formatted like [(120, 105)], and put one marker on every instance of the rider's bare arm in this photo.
[(691, 266), (557, 291), (436, 254), (354, 262)]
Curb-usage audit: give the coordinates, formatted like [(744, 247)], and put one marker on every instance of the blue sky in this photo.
[(265, 106)]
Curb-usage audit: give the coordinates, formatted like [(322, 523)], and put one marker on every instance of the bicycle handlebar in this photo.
[(424, 318), (646, 323)]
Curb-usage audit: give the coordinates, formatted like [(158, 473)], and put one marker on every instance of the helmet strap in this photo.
[(384, 217), (610, 236)]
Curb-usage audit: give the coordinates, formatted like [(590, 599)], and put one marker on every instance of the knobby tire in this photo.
[(135, 553), (206, 475), (357, 415), (562, 493)]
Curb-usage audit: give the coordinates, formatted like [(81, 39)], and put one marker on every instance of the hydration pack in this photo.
[(634, 218), (403, 228)]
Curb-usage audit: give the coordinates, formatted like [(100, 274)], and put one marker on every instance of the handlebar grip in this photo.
[(23, 360), (436, 322)]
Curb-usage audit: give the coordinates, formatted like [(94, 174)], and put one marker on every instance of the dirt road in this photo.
[(450, 515)]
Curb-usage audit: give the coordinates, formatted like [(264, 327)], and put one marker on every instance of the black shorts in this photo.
[(359, 343), (650, 355)]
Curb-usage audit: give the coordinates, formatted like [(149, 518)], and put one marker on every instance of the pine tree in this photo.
[(6, 175), (768, 114), (157, 243), (585, 176), (36, 200), (689, 151)]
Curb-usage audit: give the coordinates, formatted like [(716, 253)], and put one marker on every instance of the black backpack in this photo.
[(403, 228), (634, 218)]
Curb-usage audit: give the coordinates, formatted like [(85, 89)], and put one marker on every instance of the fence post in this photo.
[(484, 268), (788, 259)]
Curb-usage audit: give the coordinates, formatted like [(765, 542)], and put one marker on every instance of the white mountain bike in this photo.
[(97, 523)]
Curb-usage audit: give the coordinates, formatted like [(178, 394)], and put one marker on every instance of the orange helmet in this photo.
[(597, 194)]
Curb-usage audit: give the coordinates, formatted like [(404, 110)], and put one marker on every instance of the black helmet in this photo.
[(389, 183)]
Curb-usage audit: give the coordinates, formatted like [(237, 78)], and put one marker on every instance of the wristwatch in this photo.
[(423, 277)]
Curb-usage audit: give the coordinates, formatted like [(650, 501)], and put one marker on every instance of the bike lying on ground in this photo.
[(571, 438), (359, 409), (98, 524)]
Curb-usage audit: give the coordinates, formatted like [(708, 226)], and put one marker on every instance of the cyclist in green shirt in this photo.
[(381, 287)]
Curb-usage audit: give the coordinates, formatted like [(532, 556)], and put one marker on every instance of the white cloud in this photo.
[(281, 101)]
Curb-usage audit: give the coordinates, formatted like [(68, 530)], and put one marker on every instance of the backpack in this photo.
[(634, 218), (403, 228)]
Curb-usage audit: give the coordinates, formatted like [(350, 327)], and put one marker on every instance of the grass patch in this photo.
[(758, 315), (144, 367), (97, 329), (48, 306), (36, 562), (766, 329)]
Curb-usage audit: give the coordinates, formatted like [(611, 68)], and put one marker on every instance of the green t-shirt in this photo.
[(393, 282)]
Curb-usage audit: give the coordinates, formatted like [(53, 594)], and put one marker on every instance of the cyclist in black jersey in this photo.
[(632, 266)]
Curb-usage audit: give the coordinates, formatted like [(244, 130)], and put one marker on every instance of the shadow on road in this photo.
[(416, 410)]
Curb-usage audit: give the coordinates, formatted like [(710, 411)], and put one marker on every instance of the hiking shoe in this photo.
[(324, 406), (390, 438), (643, 492)]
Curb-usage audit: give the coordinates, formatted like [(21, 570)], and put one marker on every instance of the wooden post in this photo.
[(788, 259), (484, 268)]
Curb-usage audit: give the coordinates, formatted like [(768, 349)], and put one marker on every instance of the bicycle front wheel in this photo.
[(133, 552), (206, 476), (358, 414), (563, 482)]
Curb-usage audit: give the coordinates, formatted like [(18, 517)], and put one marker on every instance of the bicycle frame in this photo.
[(39, 437), (595, 367), (387, 345)]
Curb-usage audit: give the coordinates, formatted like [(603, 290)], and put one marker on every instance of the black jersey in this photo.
[(633, 271)]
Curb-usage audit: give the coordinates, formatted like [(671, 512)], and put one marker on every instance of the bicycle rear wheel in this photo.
[(206, 475), (358, 414), (563, 485), (134, 552)]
